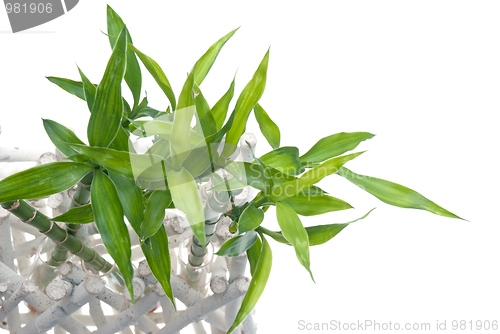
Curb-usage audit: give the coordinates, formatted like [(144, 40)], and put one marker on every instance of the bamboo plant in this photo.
[(117, 186)]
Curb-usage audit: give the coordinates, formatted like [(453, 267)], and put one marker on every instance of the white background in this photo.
[(424, 76)]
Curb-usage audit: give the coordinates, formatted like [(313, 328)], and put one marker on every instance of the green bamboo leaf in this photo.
[(184, 192), (284, 159), (71, 86), (394, 194), (257, 284), (61, 136), (251, 175), (133, 76), (107, 110), (253, 255), (124, 163), (89, 90), (78, 215), (230, 184), (138, 109), (265, 171), (238, 245), (250, 95), (205, 120), (43, 180), (155, 212), (198, 160), (161, 147), (155, 70), (83, 159), (219, 110), (247, 173), (250, 219), (179, 140), (156, 175), (204, 64), (322, 233), (311, 177), (317, 234), (131, 199), (217, 138), (295, 233), (126, 107), (334, 145), (186, 97), (268, 128), (147, 111), (121, 142), (280, 178), (158, 258), (311, 205), (163, 128), (108, 214)]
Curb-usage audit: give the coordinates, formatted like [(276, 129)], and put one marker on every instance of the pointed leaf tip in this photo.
[(395, 194)]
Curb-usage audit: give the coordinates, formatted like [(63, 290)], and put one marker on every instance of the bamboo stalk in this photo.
[(249, 326), (184, 293), (57, 289), (83, 293), (7, 257), (117, 301), (23, 249), (96, 312), (19, 295), (216, 330), (80, 197), (218, 281), (61, 237), (198, 311), (198, 328), (38, 300), (236, 271), (132, 314), (3, 289), (76, 275), (26, 248), (16, 154)]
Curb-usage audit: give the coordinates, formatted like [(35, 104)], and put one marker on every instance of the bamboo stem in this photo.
[(80, 197), (184, 293), (96, 312), (83, 293), (60, 236), (218, 281), (132, 314), (117, 301), (198, 311), (7, 257), (38, 300), (19, 295), (57, 289), (16, 154), (76, 275), (3, 289), (216, 330), (236, 271), (249, 326), (198, 328)]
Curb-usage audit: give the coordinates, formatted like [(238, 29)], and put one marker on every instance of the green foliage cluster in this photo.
[(139, 187)]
